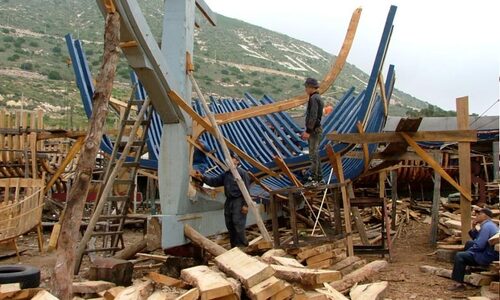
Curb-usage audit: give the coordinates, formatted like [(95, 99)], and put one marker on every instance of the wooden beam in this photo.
[(380, 83), (464, 167), (436, 198), (210, 155), (282, 165), (327, 81), (366, 153), (237, 177), (67, 159), (208, 127), (336, 163), (394, 137), (433, 164)]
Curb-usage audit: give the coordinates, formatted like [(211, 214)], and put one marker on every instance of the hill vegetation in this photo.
[(230, 59)]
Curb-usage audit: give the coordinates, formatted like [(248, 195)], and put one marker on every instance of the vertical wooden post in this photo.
[(496, 147), (394, 194), (347, 205), (381, 182), (293, 218), (274, 217), (357, 218), (435, 200), (464, 166)]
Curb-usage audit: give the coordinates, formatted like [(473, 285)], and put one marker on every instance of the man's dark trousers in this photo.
[(235, 221), (462, 259), (314, 139)]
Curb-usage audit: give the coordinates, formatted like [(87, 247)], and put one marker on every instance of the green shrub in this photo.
[(5, 30), (2, 49), (54, 75), (89, 52), (56, 50), (8, 39), (34, 44), (256, 83), (13, 57), (27, 66), (226, 79), (225, 72)]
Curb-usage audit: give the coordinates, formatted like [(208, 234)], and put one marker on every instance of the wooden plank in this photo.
[(91, 287), (285, 293), (24, 294), (247, 269), (373, 291), (364, 145), (44, 295), (327, 81), (464, 167), (286, 261), (359, 275), (360, 225), (394, 137), (211, 284), (336, 163), (284, 168), (306, 276), (266, 288), (305, 254), (67, 159), (345, 263), (436, 198), (9, 287), (320, 257), (137, 291), (433, 164), (166, 280), (111, 293), (192, 294)]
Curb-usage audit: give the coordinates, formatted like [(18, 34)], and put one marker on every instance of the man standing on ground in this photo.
[(477, 252), (313, 128), (235, 207)]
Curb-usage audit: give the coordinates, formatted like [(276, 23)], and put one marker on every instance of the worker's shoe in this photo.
[(457, 287)]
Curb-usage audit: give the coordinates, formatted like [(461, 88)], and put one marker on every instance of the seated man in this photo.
[(478, 252)]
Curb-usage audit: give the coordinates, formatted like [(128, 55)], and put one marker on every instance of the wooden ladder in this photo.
[(111, 207)]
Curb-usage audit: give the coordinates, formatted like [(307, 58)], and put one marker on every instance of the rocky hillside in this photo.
[(230, 59)]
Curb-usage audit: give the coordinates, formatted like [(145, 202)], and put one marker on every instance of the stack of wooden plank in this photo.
[(321, 257), (256, 277)]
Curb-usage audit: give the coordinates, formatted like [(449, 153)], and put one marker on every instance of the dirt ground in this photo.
[(411, 250)]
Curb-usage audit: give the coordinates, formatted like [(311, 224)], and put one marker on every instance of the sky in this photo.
[(441, 50)]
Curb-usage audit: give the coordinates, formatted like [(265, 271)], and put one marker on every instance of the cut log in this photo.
[(356, 265), (310, 295), (91, 287), (331, 293), (359, 275), (345, 263), (139, 291), (110, 269), (192, 294), (453, 224), (320, 257), (266, 288), (201, 241), (486, 292), (474, 279), (495, 287), (131, 250), (211, 284), (158, 295), (446, 255), (166, 280), (304, 276), (285, 293), (273, 252), (303, 255), (451, 247), (247, 269), (44, 295), (112, 292), (24, 294), (9, 287), (374, 291), (286, 261)]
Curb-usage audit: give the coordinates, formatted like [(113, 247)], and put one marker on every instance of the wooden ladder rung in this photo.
[(107, 233)]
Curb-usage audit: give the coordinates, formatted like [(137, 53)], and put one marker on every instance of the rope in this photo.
[(491, 106)]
